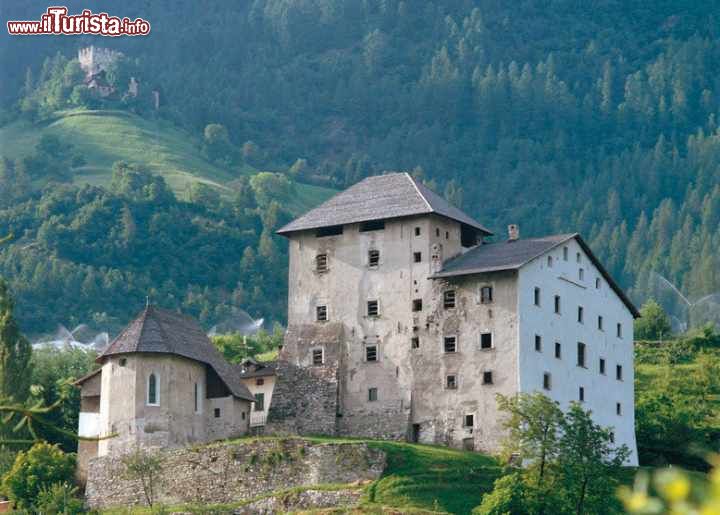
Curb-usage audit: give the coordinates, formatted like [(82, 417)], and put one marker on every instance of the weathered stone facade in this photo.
[(231, 472)]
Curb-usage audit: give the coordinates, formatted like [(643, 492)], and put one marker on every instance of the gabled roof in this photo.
[(512, 255), (251, 368), (380, 197), (166, 332)]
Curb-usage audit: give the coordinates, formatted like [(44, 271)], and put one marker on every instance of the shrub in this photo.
[(59, 499), (36, 470)]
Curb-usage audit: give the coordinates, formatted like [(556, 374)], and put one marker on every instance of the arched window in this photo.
[(153, 396)]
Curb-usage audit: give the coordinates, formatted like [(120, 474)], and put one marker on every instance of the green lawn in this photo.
[(417, 479), (104, 137)]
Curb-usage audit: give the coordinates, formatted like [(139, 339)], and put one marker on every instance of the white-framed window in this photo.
[(373, 310), (321, 313), (451, 382), (321, 263), (373, 258), (449, 299), (153, 390), (371, 353)]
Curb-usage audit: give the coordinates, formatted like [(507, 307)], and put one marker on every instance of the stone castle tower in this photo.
[(94, 59)]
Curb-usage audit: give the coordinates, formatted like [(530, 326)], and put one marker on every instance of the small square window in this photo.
[(602, 366), (618, 372), (557, 304), (321, 313), (618, 408), (581, 394), (318, 357), (600, 323), (216, 412), (581, 314), (373, 258), (486, 295), (321, 263), (371, 353), (417, 257), (538, 343), (581, 274), (450, 344), (372, 308), (259, 382), (565, 253), (415, 342), (417, 305), (487, 377), (451, 382), (547, 381), (449, 299), (469, 421), (486, 341), (618, 330), (581, 354), (123, 362), (372, 394), (536, 296), (417, 231), (558, 350)]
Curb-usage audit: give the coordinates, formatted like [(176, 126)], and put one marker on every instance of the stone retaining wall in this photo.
[(226, 473)]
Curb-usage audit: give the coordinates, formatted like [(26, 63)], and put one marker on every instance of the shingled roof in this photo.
[(380, 197), (166, 332), (512, 255)]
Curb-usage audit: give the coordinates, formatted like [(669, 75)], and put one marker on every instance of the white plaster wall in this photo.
[(602, 392), (267, 388)]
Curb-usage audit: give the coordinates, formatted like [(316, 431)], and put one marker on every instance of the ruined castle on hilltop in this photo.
[(403, 323)]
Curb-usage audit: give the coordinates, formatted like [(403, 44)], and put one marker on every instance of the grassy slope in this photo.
[(418, 479), (104, 137)]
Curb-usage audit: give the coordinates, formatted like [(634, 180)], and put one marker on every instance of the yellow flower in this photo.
[(674, 485), (636, 501)]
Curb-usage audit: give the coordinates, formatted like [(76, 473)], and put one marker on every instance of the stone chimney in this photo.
[(513, 232)]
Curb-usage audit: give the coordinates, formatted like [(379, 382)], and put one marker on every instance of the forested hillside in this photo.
[(600, 118)]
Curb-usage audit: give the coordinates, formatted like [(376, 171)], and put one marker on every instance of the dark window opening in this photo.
[(321, 313), (373, 258), (449, 299), (321, 263), (259, 382), (557, 304), (538, 343), (600, 323), (123, 362), (317, 357), (602, 366), (581, 314), (558, 350), (372, 308), (447, 235), (372, 225), (580, 354), (486, 341), (417, 231), (581, 394), (437, 232), (372, 394), (451, 382), (619, 330), (487, 377), (217, 412), (618, 372), (468, 236), (259, 402), (618, 408), (486, 295), (417, 257), (469, 421), (565, 253), (450, 344), (334, 230), (547, 383), (371, 353), (415, 342), (536, 296), (417, 305)]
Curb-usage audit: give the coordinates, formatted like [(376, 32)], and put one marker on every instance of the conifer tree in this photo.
[(15, 351)]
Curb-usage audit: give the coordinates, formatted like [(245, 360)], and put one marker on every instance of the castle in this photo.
[(403, 323)]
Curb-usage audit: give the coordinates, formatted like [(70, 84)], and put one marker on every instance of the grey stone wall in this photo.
[(225, 473), (305, 400)]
